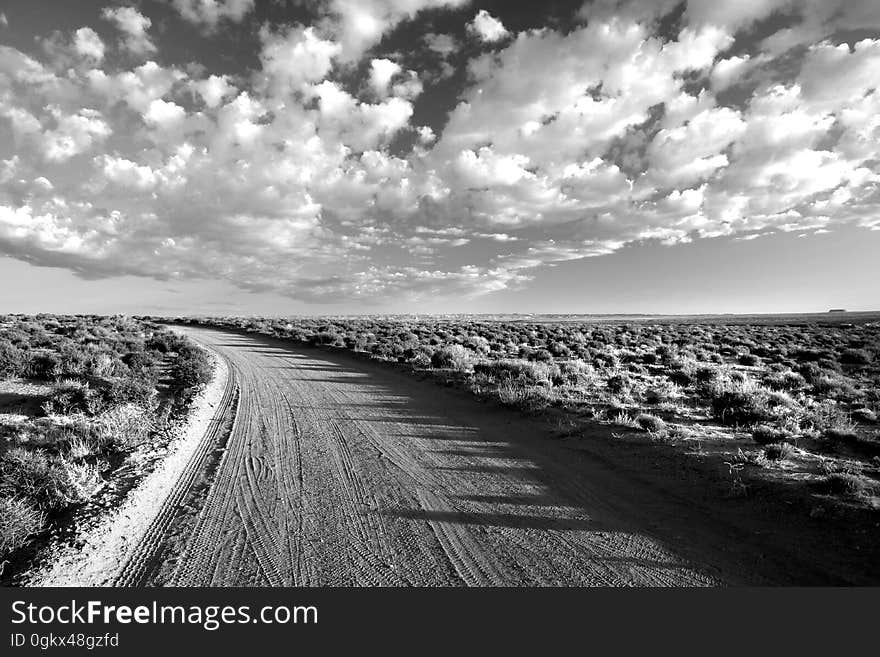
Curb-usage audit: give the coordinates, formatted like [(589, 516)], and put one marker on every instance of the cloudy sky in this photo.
[(325, 156)]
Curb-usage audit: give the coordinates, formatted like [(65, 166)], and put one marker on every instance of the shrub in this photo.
[(650, 422), (19, 520), (619, 384), (455, 357), (682, 377), (834, 385), (519, 395), (529, 373), (828, 417), (844, 483), (707, 375), (138, 361), (162, 342), (766, 435), (856, 357), (70, 396), (44, 365), (787, 380), (655, 395), (31, 474), (14, 362), (421, 360), (865, 415), (191, 368), (778, 451), (124, 426), (749, 360), (130, 390), (576, 372), (739, 402), (542, 356)]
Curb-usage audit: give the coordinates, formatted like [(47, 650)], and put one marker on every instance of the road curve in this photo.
[(339, 472)]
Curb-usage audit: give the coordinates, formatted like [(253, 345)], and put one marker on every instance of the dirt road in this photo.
[(339, 472)]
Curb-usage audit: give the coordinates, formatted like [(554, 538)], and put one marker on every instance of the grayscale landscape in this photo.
[(439, 293)]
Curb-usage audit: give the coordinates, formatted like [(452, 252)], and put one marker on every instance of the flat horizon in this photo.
[(440, 156)]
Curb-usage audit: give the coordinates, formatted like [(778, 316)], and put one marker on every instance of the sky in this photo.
[(439, 156)]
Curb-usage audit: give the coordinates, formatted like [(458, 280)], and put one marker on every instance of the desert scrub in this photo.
[(19, 520), (453, 357), (778, 451), (105, 376), (47, 480), (844, 483), (856, 357), (738, 402), (192, 366), (650, 423), (530, 373), (619, 384), (765, 435), (522, 396), (72, 396), (828, 418), (785, 380), (746, 375)]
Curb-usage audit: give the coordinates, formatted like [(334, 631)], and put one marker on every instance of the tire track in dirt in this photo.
[(143, 560), (337, 474)]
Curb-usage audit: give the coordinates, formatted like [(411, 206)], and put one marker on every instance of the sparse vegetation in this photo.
[(779, 385), (105, 381), (19, 520)]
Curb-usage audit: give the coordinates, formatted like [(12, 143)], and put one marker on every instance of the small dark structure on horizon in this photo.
[(837, 310)]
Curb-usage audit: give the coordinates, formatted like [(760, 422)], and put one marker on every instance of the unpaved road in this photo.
[(339, 472)]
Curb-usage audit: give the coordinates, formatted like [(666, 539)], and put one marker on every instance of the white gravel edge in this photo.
[(108, 545)]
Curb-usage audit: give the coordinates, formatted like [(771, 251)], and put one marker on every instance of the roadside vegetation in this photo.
[(792, 400), (78, 393)]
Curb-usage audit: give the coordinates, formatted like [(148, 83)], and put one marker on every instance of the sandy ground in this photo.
[(107, 546), (339, 470), (340, 473)]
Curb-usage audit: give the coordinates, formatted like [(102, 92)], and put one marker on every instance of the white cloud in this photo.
[(381, 73), (127, 173), (73, 133), (442, 44), (727, 72), (214, 89), (164, 114), (561, 146), (211, 12), (487, 27), (293, 59), (359, 24), (3, 20), (687, 154), (87, 43), (134, 26), (733, 15)]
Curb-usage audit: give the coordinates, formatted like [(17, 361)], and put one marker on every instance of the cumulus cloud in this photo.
[(313, 174), (381, 73), (487, 28), (133, 26), (442, 44), (87, 43), (210, 12), (359, 24)]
